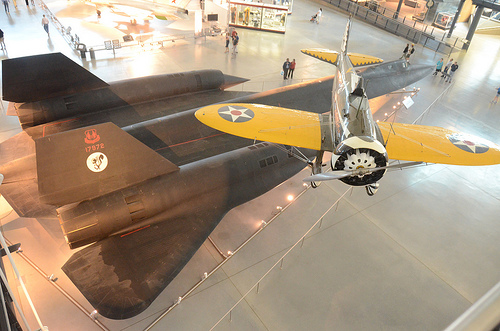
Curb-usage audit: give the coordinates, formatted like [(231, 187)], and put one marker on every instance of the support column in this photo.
[(473, 26), (396, 14), (455, 19)]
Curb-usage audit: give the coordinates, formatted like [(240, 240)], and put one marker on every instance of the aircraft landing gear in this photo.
[(316, 167), (371, 189)]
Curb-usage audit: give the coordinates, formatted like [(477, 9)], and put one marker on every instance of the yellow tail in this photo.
[(331, 56)]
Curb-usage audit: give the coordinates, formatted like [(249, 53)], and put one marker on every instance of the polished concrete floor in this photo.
[(413, 257)]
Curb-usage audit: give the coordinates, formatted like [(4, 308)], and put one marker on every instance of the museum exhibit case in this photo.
[(258, 16), (443, 20)]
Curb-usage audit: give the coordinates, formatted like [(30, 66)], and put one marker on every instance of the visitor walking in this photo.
[(495, 99), (45, 23), (6, 6), (316, 17), (286, 67), (236, 41), (446, 68), (2, 42), (410, 52), (405, 51), (227, 43), (292, 69), (453, 68)]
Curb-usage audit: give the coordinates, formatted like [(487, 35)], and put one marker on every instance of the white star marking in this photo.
[(468, 144), (235, 113)]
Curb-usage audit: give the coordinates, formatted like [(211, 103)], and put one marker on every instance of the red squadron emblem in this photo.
[(468, 143), (91, 136), (236, 114)]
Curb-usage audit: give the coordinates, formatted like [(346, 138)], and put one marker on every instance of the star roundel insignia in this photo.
[(236, 114), (468, 144)]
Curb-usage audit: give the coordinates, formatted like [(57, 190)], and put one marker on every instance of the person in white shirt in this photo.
[(318, 15)]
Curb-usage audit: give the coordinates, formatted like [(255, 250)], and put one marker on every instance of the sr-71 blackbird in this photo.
[(131, 173)]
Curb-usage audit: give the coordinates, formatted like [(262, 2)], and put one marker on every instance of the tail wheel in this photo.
[(316, 167), (372, 189)]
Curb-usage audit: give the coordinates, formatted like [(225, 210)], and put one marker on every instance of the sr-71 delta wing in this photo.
[(360, 147), (133, 177)]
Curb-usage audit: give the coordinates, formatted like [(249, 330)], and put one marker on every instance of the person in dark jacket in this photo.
[(286, 67), (453, 68)]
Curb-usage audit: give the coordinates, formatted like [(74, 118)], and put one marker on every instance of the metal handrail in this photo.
[(484, 314), (414, 31)]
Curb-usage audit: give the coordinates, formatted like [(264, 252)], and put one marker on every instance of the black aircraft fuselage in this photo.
[(134, 175)]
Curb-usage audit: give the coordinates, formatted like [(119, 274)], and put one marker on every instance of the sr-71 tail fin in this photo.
[(88, 162)]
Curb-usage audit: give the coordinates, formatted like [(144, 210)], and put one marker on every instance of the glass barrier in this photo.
[(258, 16)]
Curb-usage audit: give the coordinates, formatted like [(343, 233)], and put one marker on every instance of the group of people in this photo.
[(6, 4), (448, 71), (288, 69), (235, 41), (408, 51), (45, 24)]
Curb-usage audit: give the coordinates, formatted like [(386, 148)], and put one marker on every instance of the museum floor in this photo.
[(413, 257)]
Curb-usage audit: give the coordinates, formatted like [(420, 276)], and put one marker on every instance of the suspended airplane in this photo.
[(130, 173), (360, 147)]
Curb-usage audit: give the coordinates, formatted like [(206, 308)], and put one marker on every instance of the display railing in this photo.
[(387, 19)]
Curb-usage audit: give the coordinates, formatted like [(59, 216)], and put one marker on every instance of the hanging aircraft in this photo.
[(133, 177), (360, 147)]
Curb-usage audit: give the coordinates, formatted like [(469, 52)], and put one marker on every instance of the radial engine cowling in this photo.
[(356, 153)]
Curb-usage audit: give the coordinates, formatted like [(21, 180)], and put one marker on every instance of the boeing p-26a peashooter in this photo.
[(136, 181), (360, 147)]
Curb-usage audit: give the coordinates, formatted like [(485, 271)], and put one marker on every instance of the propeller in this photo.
[(338, 174)]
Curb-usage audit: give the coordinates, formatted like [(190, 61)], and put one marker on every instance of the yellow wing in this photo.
[(437, 145), (267, 123), (331, 56)]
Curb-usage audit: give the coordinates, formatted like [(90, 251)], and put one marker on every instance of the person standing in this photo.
[(495, 99), (405, 51), (6, 5), (439, 65), (227, 43), (236, 41), (446, 68), (45, 23), (318, 15), (2, 43), (453, 68), (286, 67), (292, 68)]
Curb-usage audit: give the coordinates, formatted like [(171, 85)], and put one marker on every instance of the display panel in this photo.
[(258, 16), (443, 20)]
